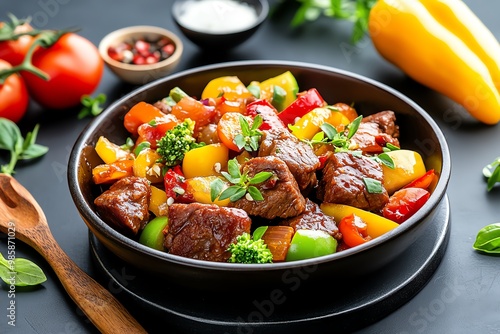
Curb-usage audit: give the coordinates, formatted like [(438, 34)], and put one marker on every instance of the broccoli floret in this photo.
[(176, 142), (248, 250)]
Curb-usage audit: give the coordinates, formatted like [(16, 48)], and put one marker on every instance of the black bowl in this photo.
[(418, 132), (220, 41)]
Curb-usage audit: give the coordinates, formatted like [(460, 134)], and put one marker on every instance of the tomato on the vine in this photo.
[(75, 69), (13, 51), (13, 95)]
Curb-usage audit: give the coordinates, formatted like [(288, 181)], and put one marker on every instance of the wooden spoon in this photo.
[(18, 206)]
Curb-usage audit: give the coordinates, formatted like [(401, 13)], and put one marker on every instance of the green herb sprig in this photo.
[(241, 184), (356, 11), (20, 148), (249, 137), (92, 106), (20, 272), (492, 173), (340, 140)]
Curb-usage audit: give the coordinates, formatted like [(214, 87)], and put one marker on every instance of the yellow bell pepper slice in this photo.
[(145, 165), (158, 201), (376, 225), (205, 161), (287, 82), (231, 86), (199, 187), (408, 166), (110, 152), (309, 124)]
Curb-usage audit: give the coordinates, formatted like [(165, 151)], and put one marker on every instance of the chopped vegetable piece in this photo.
[(205, 160), (305, 102), (408, 166), (376, 224), (152, 234), (270, 119), (109, 173), (354, 230), (176, 143), (424, 181), (278, 239), (139, 114), (248, 250), (176, 186), (308, 244), (405, 203)]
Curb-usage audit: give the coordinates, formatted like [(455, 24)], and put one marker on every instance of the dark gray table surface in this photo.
[(463, 295)]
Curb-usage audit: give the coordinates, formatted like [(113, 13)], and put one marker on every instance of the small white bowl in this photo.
[(140, 74)]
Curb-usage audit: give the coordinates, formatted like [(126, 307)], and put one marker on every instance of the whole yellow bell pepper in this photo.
[(442, 45)]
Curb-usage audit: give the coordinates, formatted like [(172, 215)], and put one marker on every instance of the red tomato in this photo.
[(15, 50), (404, 203), (13, 95), (75, 69)]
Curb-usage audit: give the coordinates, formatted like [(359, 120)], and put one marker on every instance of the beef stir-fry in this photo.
[(249, 174)]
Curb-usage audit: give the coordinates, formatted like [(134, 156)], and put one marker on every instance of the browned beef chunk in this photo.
[(375, 131), (125, 204), (343, 181), (298, 156), (282, 197), (204, 231), (314, 219)]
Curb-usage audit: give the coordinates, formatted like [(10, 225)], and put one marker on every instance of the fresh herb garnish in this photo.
[(492, 173), (250, 135), (384, 159), (241, 184), (20, 272), (373, 186), (390, 147), (356, 11), (91, 106), (20, 148), (488, 239), (340, 140)]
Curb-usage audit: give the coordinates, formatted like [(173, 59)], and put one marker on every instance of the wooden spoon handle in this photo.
[(98, 304)]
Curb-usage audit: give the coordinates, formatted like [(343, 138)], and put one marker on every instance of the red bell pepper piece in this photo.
[(354, 231), (305, 102), (176, 186), (424, 181), (404, 203), (268, 113)]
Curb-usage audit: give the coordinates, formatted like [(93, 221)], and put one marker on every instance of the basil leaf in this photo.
[(233, 168), (22, 273), (255, 193), (33, 151), (231, 191), (216, 187), (488, 239), (353, 126), (260, 177), (386, 160), (329, 130), (238, 194), (259, 232), (10, 135), (373, 186)]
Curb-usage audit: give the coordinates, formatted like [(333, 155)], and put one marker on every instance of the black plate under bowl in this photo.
[(300, 308), (418, 132)]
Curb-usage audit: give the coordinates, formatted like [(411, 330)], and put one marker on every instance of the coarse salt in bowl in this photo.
[(219, 24)]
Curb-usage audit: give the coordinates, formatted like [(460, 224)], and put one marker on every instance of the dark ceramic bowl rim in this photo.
[(106, 230), (260, 19)]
